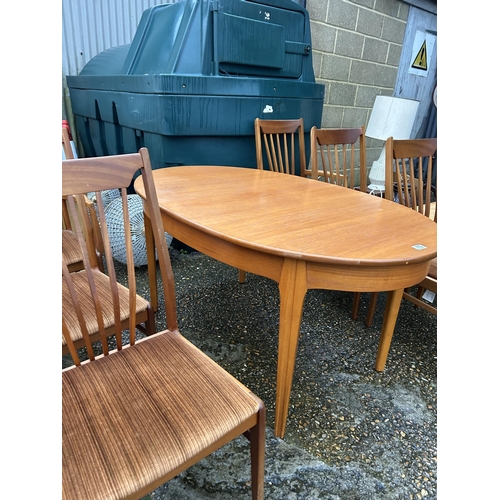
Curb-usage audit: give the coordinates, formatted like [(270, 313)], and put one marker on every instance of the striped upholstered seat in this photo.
[(180, 405), (71, 251), (144, 311)]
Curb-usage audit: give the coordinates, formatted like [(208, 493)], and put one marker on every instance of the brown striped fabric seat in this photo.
[(102, 282), (172, 406), (71, 251)]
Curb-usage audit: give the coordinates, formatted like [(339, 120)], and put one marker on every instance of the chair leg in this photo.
[(371, 309), (257, 437), (241, 275), (355, 305)]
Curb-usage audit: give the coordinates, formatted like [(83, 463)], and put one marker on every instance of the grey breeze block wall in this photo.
[(357, 45)]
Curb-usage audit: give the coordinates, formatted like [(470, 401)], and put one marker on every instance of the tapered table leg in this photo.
[(293, 288), (390, 317)]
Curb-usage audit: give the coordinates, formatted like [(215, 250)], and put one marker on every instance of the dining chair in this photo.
[(338, 156), (409, 170), (70, 245), (279, 140), (137, 415)]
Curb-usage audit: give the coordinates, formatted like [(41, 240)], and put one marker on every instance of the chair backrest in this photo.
[(278, 138), (80, 177), (336, 154), (409, 168)]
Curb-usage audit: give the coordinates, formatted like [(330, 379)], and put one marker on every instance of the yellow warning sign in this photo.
[(420, 61)]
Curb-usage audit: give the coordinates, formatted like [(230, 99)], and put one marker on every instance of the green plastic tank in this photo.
[(193, 80)]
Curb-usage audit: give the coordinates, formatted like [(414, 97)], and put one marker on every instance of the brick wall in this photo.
[(356, 49)]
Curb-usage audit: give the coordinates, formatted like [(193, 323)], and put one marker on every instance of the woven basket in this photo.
[(107, 196), (114, 220)]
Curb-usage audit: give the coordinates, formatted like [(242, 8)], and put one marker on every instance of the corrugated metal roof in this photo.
[(89, 27)]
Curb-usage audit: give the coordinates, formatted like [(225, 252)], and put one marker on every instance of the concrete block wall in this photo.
[(356, 49)]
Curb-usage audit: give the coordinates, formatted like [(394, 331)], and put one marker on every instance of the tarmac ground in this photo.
[(352, 433)]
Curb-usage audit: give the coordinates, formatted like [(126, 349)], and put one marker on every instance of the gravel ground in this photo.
[(352, 433)]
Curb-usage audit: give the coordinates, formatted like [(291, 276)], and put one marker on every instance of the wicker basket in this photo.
[(114, 220), (107, 196)]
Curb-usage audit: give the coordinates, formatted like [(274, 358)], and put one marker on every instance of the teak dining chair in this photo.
[(279, 139), (336, 154), (409, 169), (70, 245), (136, 416)]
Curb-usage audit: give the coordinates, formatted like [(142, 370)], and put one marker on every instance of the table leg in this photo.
[(390, 317), (293, 288)]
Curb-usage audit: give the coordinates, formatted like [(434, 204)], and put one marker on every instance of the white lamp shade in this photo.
[(392, 117)]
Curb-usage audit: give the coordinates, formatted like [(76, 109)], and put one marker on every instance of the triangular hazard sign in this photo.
[(420, 61)]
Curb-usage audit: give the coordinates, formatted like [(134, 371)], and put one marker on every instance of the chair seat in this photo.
[(71, 250), (123, 440), (81, 285)]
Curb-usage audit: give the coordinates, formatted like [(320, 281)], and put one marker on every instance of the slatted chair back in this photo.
[(278, 138), (95, 304), (409, 169), (338, 156)]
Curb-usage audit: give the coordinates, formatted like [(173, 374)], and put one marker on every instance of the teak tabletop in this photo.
[(303, 234)]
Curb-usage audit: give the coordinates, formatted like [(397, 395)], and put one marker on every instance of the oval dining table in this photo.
[(302, 233)]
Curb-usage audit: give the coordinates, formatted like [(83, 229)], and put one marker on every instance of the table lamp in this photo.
[(390, 117)]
